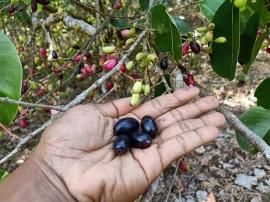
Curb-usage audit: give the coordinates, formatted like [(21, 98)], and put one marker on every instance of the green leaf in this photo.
[(10, 78), (3, 174), (182, 26), (160, 89), (265, 15), (144, 4), (120, 23), (256, 48), (210, 7), (248, 38), (167, 36), (26, 2), (257, 119), (262, 94), (224, 56)]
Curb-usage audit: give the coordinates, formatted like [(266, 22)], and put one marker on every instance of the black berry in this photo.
[(121, 144), (43, 2), (126, 126), (34, 5), (54, 54), (164, 63), (149, 126), (24, 86), (195, 47), (141, 140)]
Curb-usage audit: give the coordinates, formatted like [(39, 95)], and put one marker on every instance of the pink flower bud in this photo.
[(43, 52), (77, 58), (23, 123), (110, 64)]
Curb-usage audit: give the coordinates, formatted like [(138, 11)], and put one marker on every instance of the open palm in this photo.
[(79, 145)]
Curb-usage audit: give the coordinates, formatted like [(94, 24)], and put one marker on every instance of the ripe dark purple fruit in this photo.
[(121, 144), (34, 5), (149, 126), (125, 126), (140, 140), (164, 63), (43, 2), (24, 86), (54, 54), (195, 47)]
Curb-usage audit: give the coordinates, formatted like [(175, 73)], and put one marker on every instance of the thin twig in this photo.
[(9, 132), (172, 183), (106, 94), (7, 100)]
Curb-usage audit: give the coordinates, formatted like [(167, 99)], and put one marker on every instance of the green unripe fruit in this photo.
[(211, 26), (203, 40), (129, 41), (207, 50), (20, 108), (39, 68), (108, 49), (201, 29), (146, 89), (132, 31), (151, 57), (34, 85), (50, 87), (135, 99), (137, 87), (209, 36), (240, 3), (140, 56), (220, 40), (129, 65)]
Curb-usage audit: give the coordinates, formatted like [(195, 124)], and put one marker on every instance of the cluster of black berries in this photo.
[(128, 134)]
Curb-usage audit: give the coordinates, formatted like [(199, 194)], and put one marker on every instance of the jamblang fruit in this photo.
[(129, 65), (220, 40), (267, 50), (149, 126), (135, 100), (23, 123), (34, 5), (121, 144), (109, 85), (240, 3), (110, 64), (195, 47), (24, 86), (43, 2), (137, 87), (127, 33), (54, 54), (183, 167), (123, 68), (185, 49), (117, 5), (141, 140), (201, 29), (209, 36), (164, 63), (189, 80), (77, 58), (146, 89), (108, 49), (43, 52), (140, 56), (126, 126)]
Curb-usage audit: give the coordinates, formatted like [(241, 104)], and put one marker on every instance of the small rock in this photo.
[(259, 173), (201, 195), (263, 188), (200, 150), (245, 181)]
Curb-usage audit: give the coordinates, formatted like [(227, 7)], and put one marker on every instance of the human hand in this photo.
[(78, 147)]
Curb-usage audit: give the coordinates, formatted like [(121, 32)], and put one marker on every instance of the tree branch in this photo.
[(7, 100)]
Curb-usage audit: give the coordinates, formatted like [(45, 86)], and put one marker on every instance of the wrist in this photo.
[(34, 181)]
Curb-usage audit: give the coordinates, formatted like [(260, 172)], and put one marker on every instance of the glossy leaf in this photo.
[(256, 119), (182, 26), (10, 78), (262, 94), (3, 174), (120, 23), (224, 56), (248, 38), (167, 36), (210, 7), (144, 4), (160, 89)]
